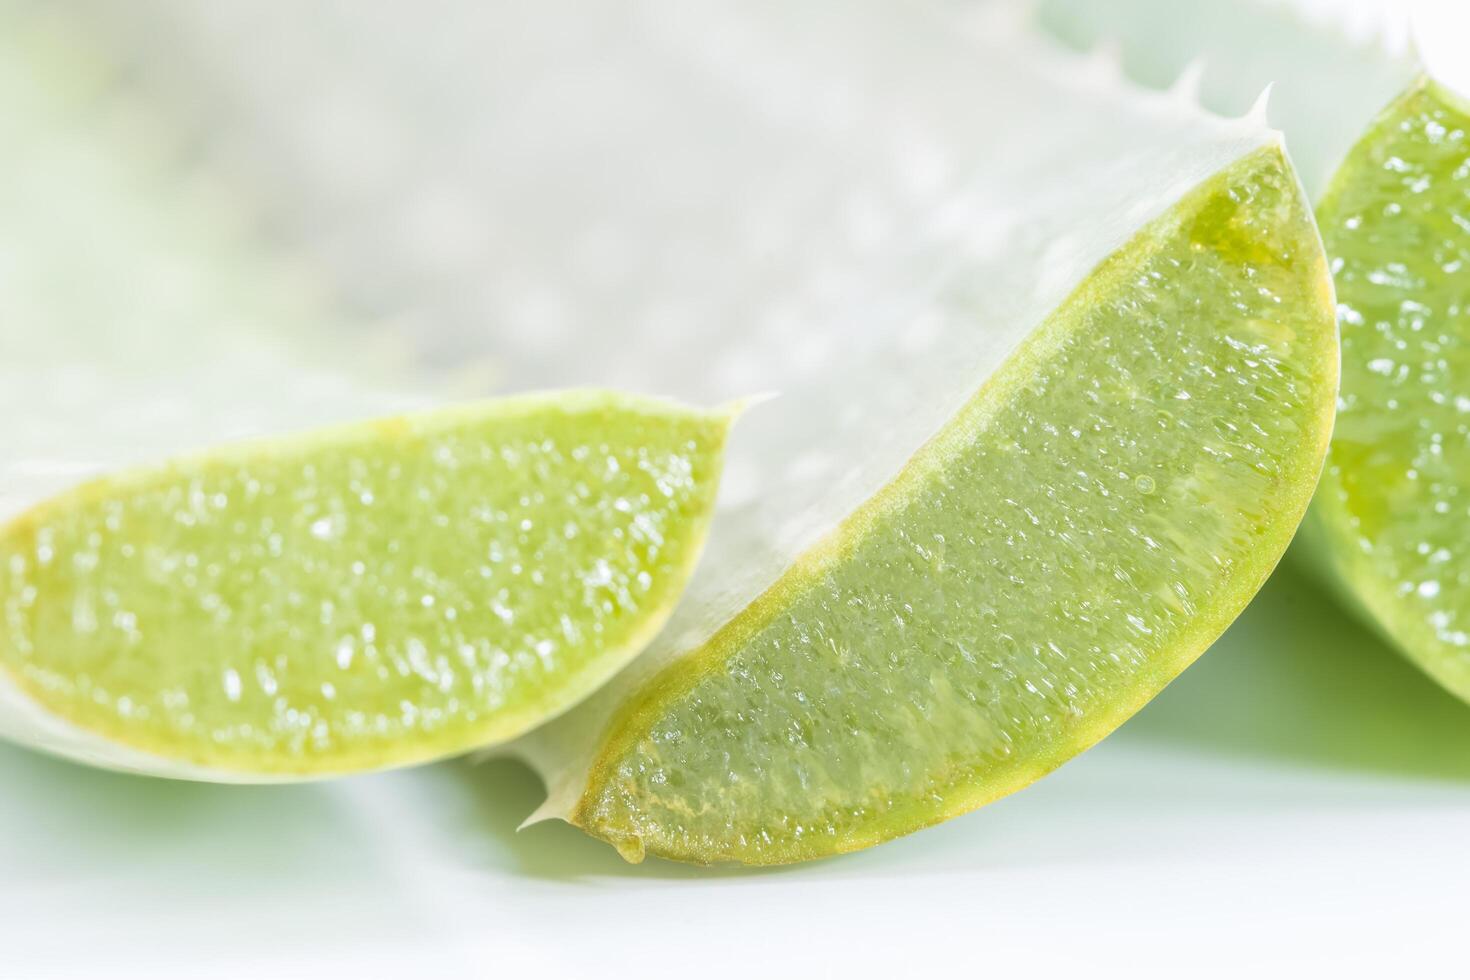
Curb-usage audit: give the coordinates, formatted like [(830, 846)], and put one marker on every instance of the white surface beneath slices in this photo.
[(1296, 803)]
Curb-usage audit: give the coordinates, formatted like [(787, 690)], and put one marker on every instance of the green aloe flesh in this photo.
[(366, 596), (1390, 520), (1099, 512)]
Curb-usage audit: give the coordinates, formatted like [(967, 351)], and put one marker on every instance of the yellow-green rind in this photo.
[(706, 429), (641, 712), (1328, 545)]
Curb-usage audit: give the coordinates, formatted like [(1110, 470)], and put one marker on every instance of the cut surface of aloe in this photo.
[(1078, 534), (372, 595), (1389, 521)]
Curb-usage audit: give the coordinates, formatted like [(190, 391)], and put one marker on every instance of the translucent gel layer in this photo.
[(1094, 517), (366, 596)]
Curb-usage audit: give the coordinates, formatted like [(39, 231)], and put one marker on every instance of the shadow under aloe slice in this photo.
[(365, 596), (1097, 514), (1388, 524)]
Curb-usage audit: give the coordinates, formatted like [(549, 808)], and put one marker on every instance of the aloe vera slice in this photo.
[(362, 597), (359, 596), (1388, 522), (1084, 528)]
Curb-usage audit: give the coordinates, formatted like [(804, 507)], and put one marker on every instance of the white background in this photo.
[(1298, 803)]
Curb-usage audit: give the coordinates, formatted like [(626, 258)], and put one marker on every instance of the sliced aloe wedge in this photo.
[(1076, 536), (1389, 522), (367, 596), (364, 595)]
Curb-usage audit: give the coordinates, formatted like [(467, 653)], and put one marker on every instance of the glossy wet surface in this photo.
[(1115, 495)]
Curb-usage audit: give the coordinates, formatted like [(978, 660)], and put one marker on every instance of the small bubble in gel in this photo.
[(232, 685)]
